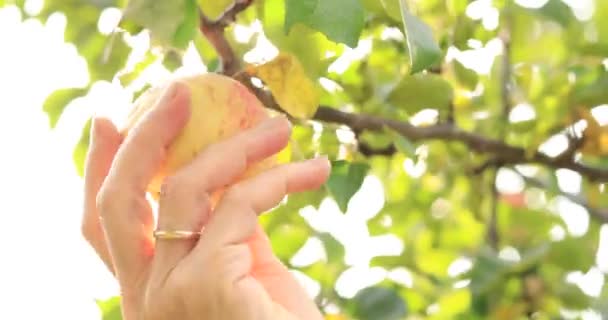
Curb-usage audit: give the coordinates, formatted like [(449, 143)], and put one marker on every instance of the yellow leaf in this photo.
[(595, 136), (335, 317), (291, 87), (508, 312), (214, 9)]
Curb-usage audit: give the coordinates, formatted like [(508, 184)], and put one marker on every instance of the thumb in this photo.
[(280, 284)]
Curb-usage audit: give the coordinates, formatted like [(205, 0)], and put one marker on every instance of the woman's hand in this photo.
[(230, 272)]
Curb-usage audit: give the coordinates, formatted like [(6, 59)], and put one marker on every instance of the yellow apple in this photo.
[(220, 108)]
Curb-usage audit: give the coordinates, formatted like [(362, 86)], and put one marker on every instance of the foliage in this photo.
[(473, 72)]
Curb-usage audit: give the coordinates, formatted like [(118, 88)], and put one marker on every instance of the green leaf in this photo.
[(287, 239), (57, 101), (345, 180), (311, 47), (187, 30), (454, 302), (421, 91), (572, 296), (592, 93), (110, 309), (435, 261), (171, 23), (172, 60), (340, 20), (333, 248), (403, 144), (423, 49), (379, 303), (467, 77), (298, 12), (79, 154), (214, 9), (488, 272), (558, 11), (392, 9), (572, 254), (107, 55), (126, 78)]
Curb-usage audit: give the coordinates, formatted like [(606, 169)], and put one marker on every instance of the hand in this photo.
[(230, 272)]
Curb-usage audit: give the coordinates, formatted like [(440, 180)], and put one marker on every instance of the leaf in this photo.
[(435, 261), (572, 296), (80, 151), (187, 30), (558, 11), (110, 308), (128, 77), (57, 101), (379, 303), (572, 254), (293, 90), (455, 302), (340, 20), (488, 272), (595, 137), (403, 144), (592, 93), (333, 248), (287, 239), (392, 9), (171, 23), (172, 60), (308, 45), (467, 77), (214, 9), (423, 50), (421, 91), (345, 180)]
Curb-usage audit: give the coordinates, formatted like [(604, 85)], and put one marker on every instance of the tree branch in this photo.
[(214, 32), (503, 153), (601, 214)]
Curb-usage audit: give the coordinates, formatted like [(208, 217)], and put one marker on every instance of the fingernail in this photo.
[(289, 124), (285, 120), (271, 124), (325, 160)]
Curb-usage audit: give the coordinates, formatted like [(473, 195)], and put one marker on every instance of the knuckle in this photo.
[(88, 228), (106, 199), (113, 200)]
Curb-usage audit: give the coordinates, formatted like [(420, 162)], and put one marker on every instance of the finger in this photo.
[(127, 216), (185, 200), (105, 141), (235, 219)]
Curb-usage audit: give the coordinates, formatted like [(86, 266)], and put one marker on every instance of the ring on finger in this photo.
[(176, 234)]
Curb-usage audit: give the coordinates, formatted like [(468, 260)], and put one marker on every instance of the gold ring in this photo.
[(176, 234)]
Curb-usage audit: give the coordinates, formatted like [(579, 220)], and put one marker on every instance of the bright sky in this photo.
[(49, 272)]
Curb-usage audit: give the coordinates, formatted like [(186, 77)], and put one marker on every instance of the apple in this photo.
[(220, 108)]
